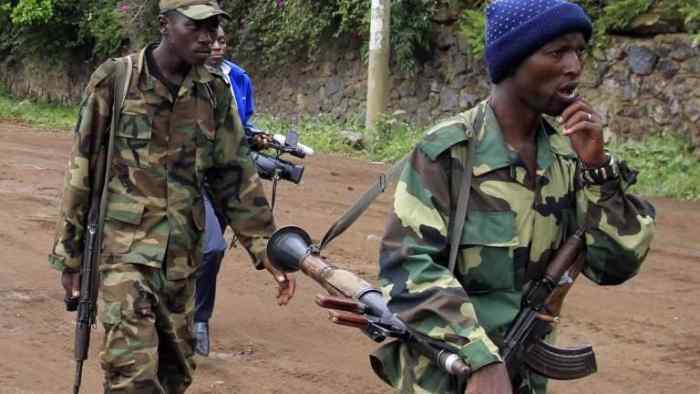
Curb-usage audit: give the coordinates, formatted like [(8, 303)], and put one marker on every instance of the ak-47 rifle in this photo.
[(525, 340), (86, 303), (355, 303)]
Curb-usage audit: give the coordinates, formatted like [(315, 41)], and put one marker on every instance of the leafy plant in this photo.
[(690, 9), (31, 12), (666, 164), (472, 25), (391, 139), (277, 31)]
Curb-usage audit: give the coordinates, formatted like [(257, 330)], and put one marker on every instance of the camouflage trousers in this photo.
[(148, 340)]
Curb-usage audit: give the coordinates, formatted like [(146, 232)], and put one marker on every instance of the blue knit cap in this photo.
[(517, 28)]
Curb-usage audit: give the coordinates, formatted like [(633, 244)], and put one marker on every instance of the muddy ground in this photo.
[(645, 332)]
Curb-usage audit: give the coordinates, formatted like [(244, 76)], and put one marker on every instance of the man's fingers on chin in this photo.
[(571, 110)]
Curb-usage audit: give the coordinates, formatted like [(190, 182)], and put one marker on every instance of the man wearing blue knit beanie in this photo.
[(527, 187)]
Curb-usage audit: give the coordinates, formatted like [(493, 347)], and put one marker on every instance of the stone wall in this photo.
[(639, 85), (44, 81)]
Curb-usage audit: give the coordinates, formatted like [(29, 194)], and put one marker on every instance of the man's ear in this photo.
[(163, 22)]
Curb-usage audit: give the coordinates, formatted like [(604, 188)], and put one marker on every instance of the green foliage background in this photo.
[(609, 16), (274, 31)]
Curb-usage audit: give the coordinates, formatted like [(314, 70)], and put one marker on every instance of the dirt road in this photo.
[(645, 332)]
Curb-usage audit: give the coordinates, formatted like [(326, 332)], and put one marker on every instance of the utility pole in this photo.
[(378, 72)]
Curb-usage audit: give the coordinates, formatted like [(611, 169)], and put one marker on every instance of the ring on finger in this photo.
[(589, 116)]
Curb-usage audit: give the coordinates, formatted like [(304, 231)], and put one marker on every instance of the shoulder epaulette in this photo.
[(104, 72), (443, 136), (215, 71)]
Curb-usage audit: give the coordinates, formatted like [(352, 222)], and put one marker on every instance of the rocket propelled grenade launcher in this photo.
[(353, 301)]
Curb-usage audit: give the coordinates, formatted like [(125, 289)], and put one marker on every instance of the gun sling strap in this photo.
[(458, 214), (121, 86), (363, 203)]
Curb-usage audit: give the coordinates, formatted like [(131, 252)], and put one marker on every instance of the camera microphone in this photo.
[(306, 150)]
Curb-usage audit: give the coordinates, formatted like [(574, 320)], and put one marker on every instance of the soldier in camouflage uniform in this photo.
[(532, 187), (178, 123)]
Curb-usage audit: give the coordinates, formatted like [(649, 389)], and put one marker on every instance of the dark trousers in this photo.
[(205, 293)]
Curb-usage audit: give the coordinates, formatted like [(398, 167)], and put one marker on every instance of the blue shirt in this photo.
[(242, 89)]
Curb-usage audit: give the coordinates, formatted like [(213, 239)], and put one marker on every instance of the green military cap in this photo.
[(194, 9)]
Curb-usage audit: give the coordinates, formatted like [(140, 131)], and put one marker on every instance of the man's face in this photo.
[(190, 39), (547, 80), (218, 49)]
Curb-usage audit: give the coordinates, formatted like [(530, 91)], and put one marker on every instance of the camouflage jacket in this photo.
[(164, 146), (508, 238)]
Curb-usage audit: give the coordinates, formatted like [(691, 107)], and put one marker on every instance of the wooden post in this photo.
[(378, 72)]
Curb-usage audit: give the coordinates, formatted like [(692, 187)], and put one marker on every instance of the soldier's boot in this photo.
[(201, 335)]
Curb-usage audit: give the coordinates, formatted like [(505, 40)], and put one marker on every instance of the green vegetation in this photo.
[(472, 26), (392, 139), (40, 115), (667, 165), (319, 132), (68, 29), (274, 31), (277, 31), (608, 17)]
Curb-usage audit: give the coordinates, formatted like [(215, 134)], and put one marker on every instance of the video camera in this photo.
[(273, 167)]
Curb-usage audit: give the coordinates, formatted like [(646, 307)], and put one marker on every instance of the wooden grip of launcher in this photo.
[(338, 303), (348, 319), (570, 259)]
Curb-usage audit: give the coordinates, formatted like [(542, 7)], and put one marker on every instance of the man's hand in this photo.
[(262, 140), (71, 285), (491, 379), (286, 283), (585, 129)]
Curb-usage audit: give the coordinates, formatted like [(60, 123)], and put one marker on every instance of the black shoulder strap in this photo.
[(363, 203), (458, 215), (121, 86)]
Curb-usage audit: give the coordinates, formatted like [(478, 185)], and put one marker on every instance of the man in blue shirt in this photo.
[(215, 245)]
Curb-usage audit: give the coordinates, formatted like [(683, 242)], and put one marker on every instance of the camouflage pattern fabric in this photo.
[(148, 341), (164, 147), (152, 243), (193, 9), (509, 236)]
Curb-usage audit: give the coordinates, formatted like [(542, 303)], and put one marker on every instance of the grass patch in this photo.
[(319, 132), (392, 139), (666, 164), (48, 116)]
